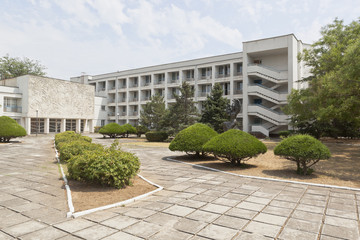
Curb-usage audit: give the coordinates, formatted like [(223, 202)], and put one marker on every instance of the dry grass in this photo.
[(342, 169)]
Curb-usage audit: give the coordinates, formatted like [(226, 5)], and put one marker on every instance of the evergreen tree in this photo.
[(215, 106), (153, 113), (183, 112)]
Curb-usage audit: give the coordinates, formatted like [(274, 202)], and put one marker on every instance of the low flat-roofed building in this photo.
[(45, 105)]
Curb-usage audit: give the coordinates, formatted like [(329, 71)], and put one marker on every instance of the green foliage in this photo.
[(304, 150), (128, 129), (235, 145), (9, 128), (330, 106), (69, 136), (284, 134), (183, 112), (96, 129), (192, 138), (15, 67), (152, 114), (112, 130), (214, 112), (73, 148), (111, 167), (155, 136), (141, 129)]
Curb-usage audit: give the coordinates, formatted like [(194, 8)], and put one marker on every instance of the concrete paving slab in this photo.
[(217, 232), (231, 222), (292, 234), (24, 228), (170, 234), (45, 233), (264, 229), (95, 232), (122, 236), (189, 225), (74, 225), (143, 229)]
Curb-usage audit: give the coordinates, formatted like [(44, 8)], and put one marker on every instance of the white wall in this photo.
[(98, 113)]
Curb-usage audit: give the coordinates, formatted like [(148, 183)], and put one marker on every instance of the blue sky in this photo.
[(100, 36)]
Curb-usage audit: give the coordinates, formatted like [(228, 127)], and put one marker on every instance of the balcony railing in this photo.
[(222, 75), (112, 88), (13, 109), (111, 101), (111, 114), (174, 81), (135, 113), (145, 98), (159, 82), (203, 94), (189, 79), (238, 91), (146, 84), (134, 85), (135, 99)]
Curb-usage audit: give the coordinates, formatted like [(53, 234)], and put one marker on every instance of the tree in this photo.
[(183, 112), (330, 105), (14, 67), (215, 109), (305, 150), (9, 128), (153, 113), (192, 139)]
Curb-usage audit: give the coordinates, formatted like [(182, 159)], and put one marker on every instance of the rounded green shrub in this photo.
[(235, 145), (192, 139), (9, 128), (69, 136), (141, 129), (73, 148), (112, 130), (305, 150), (110, 167), (129, 129), (155, 136)]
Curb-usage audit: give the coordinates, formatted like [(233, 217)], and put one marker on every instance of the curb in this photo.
[(74, 214), (269, 179)]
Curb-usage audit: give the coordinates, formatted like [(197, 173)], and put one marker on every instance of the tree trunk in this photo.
[(304, 168)]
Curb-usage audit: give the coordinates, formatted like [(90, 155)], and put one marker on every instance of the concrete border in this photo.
[(264, 178), (74, 214)]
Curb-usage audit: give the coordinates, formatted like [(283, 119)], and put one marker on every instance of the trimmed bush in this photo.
[(9, 128), (284, 134), (111, 167), (112, 130), (73, 148), (141, 129), (154, 136), (128, 129), (305, 150), (192, 139), (236, 146), (69, 136)]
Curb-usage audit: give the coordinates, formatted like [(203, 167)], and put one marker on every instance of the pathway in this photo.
[(196, 203)]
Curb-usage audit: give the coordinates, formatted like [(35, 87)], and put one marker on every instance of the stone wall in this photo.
[(55, 98)]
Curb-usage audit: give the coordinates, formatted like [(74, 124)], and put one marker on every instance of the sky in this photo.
[(75, 37)]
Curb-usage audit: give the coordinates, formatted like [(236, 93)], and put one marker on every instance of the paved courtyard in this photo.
[(195, 204)]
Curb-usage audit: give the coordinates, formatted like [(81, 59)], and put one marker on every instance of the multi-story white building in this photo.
[(261, 76)]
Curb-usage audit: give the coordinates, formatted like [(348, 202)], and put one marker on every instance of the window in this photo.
[(239, 68), (12, 104), (102, 123), (257, 121), (135, 108), (221, 70), (239, 86), (258, 81), (103, 107), (258, 61), (258, 101)]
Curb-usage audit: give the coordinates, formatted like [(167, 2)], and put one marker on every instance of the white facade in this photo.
[(261, 76), (44, 105)]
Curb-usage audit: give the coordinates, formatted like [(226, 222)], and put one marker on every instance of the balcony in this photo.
[(134, 99), (110, 114), (174, 81), (159, 82), (134, 113), (134, 85), (13, 109), (146, 98), (111, 100), (189, 79)]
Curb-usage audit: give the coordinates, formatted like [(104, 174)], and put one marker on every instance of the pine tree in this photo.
[(183, 112), (153, 113), (215, 106)]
